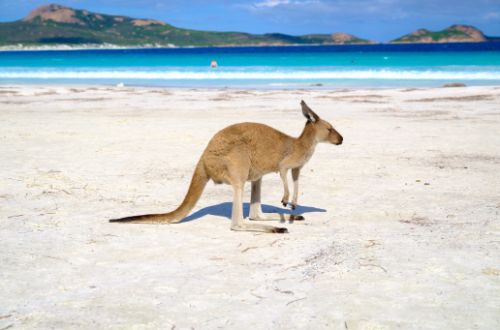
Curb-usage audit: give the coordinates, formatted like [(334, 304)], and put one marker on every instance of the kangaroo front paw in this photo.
[(297, 217), (284, 202), (294, 206)]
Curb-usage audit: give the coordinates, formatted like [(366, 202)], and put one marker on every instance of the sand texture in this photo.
[(402, 220)]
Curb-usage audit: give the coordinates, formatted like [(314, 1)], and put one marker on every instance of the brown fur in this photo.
[(246, 152)]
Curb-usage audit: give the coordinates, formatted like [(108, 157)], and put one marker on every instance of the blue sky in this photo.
[(379, 20)]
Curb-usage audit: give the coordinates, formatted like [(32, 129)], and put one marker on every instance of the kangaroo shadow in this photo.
[(224, 210)]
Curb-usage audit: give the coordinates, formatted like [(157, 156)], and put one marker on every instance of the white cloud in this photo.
[(275, 3), (271, 3), (492, 15)]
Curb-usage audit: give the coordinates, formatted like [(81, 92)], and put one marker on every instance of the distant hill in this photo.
[(454, 33), (58, 25)]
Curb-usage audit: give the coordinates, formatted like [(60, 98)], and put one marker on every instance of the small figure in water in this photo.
[(213, 64)]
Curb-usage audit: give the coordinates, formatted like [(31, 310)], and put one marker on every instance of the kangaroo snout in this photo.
[(335, 138)]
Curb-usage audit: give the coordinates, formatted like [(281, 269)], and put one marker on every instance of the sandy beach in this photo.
[(402, 226)]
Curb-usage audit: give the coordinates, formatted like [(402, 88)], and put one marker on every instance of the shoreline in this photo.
[(445, 84), (311, 88), (67, 47)]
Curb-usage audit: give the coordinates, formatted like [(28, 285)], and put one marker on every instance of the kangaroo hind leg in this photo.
[(256, 207), (237, 222)]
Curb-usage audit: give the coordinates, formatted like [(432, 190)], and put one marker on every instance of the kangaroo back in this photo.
[(198, 182), (264, 146)]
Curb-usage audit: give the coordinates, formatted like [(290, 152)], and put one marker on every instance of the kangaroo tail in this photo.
[(198, 182)]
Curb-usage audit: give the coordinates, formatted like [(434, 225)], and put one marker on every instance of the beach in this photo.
[(402, 220)]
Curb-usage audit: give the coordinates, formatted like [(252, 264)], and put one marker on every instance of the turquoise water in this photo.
[(280, 67)]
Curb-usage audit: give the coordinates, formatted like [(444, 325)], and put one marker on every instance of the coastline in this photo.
[(14, 48), (132, 47), (401, 221), (68, 47)]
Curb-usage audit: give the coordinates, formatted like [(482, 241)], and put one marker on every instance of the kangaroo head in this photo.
[(324, 130)]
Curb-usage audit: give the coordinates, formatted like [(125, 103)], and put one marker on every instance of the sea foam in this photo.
[(252, 75)]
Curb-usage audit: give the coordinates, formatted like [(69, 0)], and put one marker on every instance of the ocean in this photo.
[(373, 66)]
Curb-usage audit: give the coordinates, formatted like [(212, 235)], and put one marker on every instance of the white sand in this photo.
[(402, 221)]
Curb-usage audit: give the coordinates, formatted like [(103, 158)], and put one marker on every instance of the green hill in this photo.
[(59, 25)]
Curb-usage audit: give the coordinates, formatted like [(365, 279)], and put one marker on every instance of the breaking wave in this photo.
[(252, 75)]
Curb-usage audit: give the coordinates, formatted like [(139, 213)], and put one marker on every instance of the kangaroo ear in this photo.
[(308, 113)]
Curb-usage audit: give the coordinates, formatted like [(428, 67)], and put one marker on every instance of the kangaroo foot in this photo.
[(259, 228), (275, 217), (280, 230)]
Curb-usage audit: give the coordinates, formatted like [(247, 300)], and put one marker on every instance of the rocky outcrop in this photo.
[(473, 34), (454, 33), (345, 38), (54, 13), (146, 22)]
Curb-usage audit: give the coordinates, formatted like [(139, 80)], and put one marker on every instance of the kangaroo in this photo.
[(245, 152)]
